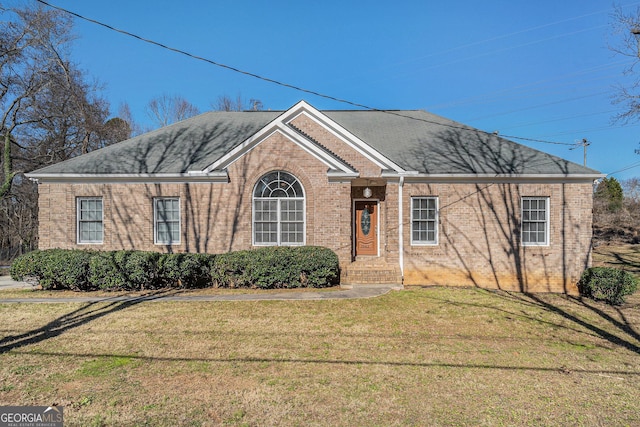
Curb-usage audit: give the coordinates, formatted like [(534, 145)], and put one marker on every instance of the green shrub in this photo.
[(124, 270), (185, 270), (27, 265), (318, 266), (230, 270), (54, 268), (65, 269), (266, 268), (140, 268), (104, 273), (607, 284), (276, 267)]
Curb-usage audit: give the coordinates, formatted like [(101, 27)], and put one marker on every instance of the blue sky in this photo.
[(538, 70)]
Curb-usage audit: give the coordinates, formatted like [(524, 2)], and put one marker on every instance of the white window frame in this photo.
[(156, 220), (279, 221), (80, 221), (544, 221), (436, 222)]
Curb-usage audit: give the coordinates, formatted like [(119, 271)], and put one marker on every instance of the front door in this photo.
[(366, 226)]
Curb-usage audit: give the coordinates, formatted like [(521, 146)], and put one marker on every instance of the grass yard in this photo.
[(432, 356), (626, 257)]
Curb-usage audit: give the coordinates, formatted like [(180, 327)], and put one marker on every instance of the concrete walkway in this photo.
[(364, 291), (7, 283)]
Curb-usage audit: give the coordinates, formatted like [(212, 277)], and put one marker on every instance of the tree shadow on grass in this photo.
[(625, 334), (83, 315), (627, 263)]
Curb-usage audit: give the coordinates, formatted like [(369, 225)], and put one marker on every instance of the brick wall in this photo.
[(479, 241), (478, 224), (215, 217)]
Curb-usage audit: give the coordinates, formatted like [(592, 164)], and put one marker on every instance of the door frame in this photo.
[(354, 231)]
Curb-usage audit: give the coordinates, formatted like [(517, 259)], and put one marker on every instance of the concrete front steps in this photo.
[(370, 272)]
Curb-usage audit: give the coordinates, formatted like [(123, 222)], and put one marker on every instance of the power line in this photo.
[(200, 58), (273, 81), (591, 130), (560, 119), (561, 101), (526, 30), (631, 166), (526, 87), (536, 140), (480, 55)]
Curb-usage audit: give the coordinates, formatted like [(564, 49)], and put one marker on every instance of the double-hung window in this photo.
[(166, 214), (535, 221), (278, 210), (424, 220), (90, 220)]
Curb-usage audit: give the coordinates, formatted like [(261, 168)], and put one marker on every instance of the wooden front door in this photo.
[(366, 226)]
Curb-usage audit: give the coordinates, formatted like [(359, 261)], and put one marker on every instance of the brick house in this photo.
[(401, 196)]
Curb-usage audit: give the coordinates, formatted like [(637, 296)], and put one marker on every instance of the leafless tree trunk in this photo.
[(48, 113)]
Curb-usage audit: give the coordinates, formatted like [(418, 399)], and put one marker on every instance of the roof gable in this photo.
[(337, 167)]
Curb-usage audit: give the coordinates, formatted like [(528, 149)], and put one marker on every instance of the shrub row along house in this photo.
[(403, 197)]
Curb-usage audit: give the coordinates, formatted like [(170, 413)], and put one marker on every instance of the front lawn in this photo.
[(623, 256), (433, 356)]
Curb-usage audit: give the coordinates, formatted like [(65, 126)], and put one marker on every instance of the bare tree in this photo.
[(165, 109), (48, 113), (626, 29), (631, 189), (226, 103), (124, 113)]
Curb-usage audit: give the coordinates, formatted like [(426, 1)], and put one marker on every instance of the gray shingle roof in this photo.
[(189, 145), (415, 140), (427, 143)]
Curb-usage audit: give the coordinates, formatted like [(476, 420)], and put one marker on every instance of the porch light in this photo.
[(366, 193)]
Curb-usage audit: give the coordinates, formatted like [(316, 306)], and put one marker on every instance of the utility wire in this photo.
[(536, 140), (522, 89), (631, 166), (277, 82), (526, 30), (200, 58)]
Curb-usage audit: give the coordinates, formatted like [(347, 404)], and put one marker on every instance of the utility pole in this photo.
[(584, 143)]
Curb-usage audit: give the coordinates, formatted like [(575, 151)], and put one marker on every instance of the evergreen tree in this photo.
[(609, 192)]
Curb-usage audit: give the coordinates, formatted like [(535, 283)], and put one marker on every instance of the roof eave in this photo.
[(414, 176), (164, 178)]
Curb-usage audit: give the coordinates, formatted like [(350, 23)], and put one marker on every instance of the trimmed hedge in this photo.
[(276, 267), (266, 268), (185, 270), (54, 268), (124, 270), (607, 284)]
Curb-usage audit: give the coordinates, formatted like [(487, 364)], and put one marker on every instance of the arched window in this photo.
[(278, 210)]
